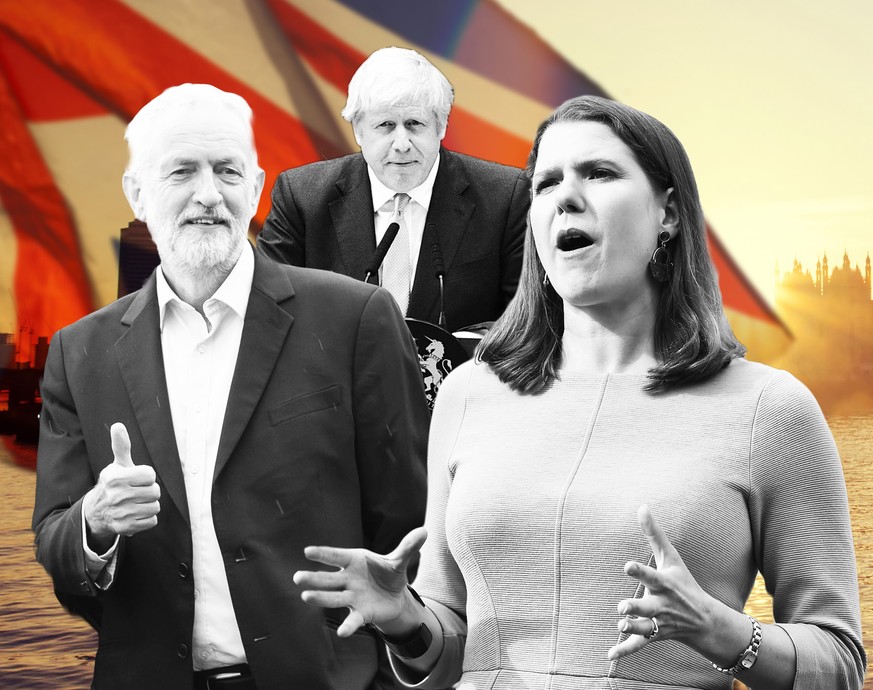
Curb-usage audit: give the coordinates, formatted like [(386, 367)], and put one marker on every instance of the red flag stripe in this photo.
[(738, 293), (42, 94), (477, 137), (51, 285)]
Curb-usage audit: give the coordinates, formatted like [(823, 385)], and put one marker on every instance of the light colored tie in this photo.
[(396, 270)]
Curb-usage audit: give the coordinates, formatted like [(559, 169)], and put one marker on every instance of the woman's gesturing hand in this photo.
[(673, 598), (373, 587)]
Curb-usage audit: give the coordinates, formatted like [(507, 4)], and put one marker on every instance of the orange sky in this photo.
[(774, 102)]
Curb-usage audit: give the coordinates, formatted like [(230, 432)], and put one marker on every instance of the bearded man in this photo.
[(198, 434)]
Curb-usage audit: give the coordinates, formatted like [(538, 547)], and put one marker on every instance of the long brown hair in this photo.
[(693, 340)]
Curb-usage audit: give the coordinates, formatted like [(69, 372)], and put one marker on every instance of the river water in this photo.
[(42, 648)]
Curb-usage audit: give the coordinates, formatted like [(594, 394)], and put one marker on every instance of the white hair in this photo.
[(185, 97), (398, 76)]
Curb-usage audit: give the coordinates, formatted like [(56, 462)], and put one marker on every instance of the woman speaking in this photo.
[(608, 477)]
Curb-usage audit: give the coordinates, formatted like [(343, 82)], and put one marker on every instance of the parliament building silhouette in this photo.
[(830, 313)]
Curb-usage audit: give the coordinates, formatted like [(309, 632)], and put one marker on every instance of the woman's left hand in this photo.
[(673, 597)]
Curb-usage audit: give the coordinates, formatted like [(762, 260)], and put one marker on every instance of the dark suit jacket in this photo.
[(322, 217), (323, 443)]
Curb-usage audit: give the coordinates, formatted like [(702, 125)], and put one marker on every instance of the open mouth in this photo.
[(572, 239)]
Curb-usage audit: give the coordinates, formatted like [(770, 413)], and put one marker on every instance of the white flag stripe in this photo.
[(86, 157), (482, 97), (8, 318)]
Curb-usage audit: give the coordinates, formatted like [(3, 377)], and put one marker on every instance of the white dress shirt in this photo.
[(199, 360), (413, 217)]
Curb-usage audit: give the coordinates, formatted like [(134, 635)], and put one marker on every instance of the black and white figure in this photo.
[(198, 433), (332, 214), (609, 475)]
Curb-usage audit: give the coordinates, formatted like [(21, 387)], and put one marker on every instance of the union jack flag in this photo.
[(73, 72)]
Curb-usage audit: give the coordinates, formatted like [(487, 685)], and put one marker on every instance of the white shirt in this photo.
[(199, 361), (413, 217)]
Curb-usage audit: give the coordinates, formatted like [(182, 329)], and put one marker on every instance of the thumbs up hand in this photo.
[(126, 498), (120, 440)]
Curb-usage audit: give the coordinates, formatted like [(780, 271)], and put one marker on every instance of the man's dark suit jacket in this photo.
[(323, 442), (322, 217)]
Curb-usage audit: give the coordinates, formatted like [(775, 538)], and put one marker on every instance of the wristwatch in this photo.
[(412, 646), (748, 656)]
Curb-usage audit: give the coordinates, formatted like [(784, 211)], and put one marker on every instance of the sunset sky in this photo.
[(773, 101)]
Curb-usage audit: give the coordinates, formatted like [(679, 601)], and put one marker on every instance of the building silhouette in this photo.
[(137, 257), (21, 367), (830, 312), (844, 285)]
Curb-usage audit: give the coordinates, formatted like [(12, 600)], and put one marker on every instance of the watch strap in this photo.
[(748, 656), (410, 647), (414, 645)]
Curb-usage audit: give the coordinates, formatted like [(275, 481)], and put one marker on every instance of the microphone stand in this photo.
[(379, 255), (439, 271)]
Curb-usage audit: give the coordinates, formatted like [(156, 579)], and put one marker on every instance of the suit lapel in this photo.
[(264, 332), (353, 218), (140, 358), (447, 220)]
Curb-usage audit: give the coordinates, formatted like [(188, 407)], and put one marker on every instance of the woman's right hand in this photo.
[(373, 587)]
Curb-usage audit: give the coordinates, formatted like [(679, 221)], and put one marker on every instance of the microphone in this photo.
[(439, 272), (382, 250)]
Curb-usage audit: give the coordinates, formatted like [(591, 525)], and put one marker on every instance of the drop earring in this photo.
[(546, 280), (660, 265)]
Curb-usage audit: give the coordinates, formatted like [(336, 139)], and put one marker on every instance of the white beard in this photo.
[(210, 251)]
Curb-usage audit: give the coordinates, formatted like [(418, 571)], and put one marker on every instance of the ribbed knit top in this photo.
[(531, 517)]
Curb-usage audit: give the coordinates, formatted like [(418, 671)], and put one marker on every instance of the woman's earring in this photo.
[(660, 265), (546, 280)]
